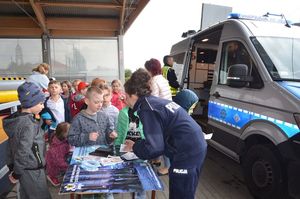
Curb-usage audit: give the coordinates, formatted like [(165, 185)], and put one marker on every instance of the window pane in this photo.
[(284, 62), (19, 56), (84, 59), (233, 53)]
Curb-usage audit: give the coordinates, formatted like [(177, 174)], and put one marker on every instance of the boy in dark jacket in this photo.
[(168, 130), (26, 153)]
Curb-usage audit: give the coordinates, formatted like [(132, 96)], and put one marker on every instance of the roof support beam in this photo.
[(18, 2), (82, 33), (39, 15), (80, 5), (82, 24), (122, 15), (20, 32), (17, 22)]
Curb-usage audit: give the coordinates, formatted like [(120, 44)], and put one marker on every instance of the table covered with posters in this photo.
[(89, 174)]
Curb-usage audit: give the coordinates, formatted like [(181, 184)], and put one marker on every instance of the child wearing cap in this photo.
[(77, 100), (26, 145)]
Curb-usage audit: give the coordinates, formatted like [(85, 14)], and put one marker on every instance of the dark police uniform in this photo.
[(169, 130)]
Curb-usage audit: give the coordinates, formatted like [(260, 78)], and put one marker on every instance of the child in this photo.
[(56, 155), (118, 96), (75, 83), (65, 95), (100, 83), (111, 110), (54, 107), (26, 153), (39, 76), (187, 99), (91, 126), (129, 128), (77, 99)]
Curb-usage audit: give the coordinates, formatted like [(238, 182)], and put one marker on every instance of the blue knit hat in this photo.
[(186, 98), (30, 95)]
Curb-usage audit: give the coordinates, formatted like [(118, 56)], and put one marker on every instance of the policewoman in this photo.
[(168, 130)]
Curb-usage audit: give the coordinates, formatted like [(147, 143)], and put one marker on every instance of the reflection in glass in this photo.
[(84, 59), (19, 56)]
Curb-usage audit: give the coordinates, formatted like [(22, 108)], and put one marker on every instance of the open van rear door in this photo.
[(181, 53)]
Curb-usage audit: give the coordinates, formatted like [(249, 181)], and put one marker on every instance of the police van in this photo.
[(246, 72)]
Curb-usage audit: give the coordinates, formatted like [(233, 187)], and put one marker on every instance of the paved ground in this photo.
[(221, 178)]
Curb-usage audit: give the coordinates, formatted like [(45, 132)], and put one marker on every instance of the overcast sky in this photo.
[(162, 22)]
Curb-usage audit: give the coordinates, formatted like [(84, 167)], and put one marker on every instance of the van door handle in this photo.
[(216, 94)]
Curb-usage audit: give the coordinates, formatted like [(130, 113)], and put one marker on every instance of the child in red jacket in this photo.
[(77, 99), (57, 153), (118, 96)]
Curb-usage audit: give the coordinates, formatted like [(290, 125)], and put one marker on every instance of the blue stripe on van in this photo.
[(238, 118), (292, 87)]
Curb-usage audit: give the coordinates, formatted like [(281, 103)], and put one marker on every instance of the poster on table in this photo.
[(86, 174)]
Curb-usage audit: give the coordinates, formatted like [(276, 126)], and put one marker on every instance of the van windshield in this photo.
[(280, 56)]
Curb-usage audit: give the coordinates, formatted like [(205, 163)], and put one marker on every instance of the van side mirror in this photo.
[(238, 76)]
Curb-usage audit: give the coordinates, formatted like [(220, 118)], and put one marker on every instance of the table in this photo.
[(128, 176)]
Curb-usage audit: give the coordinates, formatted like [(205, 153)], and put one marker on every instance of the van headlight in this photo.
[(297, 118)]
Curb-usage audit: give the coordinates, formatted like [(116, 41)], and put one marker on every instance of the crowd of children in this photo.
[(71, 114)]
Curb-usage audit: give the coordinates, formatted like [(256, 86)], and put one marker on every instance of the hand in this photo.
[(93, 136), (122, 98), (12, 179), (128, 145), (113, 135), (48, 122), (72, 148)]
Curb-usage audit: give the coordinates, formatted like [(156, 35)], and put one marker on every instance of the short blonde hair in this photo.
[(91, 90)]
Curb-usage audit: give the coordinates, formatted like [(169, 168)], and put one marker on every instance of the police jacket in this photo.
[(168, 130)]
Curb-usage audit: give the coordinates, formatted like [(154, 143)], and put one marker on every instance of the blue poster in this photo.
[(88, 175)]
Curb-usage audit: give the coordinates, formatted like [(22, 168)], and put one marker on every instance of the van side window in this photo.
[(179, 58), (234, 52)]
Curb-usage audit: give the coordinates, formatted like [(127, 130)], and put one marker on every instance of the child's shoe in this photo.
[(54, 181)]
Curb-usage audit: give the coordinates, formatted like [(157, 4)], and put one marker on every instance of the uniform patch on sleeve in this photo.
[(172, 106), (180, 171)]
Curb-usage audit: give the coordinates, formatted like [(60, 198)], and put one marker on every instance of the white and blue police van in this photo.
[(246, 72)]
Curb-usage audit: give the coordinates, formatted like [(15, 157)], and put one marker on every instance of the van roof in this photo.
[(265, 28)]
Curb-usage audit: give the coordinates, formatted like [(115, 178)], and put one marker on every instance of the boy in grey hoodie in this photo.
[(26, 144), (91, 126)]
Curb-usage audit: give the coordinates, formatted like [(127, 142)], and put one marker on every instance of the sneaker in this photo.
[(54, 181)]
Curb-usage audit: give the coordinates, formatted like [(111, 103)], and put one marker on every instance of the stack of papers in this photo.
[(110, 160), (129, 156)]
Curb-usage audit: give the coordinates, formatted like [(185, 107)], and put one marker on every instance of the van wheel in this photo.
[(263, 173)]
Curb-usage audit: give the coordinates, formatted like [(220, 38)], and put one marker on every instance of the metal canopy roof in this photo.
[(68, 18)]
